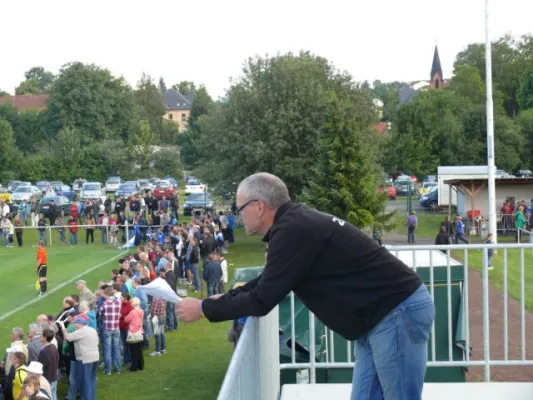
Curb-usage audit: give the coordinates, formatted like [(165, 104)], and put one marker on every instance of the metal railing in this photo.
[(438, 262), (247, 378)]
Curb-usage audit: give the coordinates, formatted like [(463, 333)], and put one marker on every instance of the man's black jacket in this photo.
[(343, 276)]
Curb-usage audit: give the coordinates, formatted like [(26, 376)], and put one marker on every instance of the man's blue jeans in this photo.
[(73, 238), (87, 377), (125, 346), (73, 380), (390, 360), (172, 318), (160, 343), (111, 350), (195, 276)]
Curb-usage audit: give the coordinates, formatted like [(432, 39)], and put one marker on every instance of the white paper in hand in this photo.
[(161, 289)]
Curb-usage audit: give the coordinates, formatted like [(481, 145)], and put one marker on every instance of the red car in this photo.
[(164, 189), (389, 190)]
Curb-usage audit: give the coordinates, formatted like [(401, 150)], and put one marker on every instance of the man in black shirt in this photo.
[(354, 286)]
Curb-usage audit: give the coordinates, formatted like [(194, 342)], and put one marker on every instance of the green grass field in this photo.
[(197, 356)]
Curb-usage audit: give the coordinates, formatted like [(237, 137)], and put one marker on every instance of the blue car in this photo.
[(127, 190), (198, 201), (65, 190), (431, 199)]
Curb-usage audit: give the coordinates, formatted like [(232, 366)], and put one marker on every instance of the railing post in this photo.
[(486, 317), (268, 335)]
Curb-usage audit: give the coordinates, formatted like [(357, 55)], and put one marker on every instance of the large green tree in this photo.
[(149, 105), (343, 181), (38, 80), (90, 100), (8, 151), (184, 87), (429, 133), (269, 122), (141, 144), (509, 61), (524, 95)]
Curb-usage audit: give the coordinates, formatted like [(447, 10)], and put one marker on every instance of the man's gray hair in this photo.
[(266, 187), (35, 329), (18, 332)]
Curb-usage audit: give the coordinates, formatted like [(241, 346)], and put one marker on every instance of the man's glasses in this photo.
[(241, 208)]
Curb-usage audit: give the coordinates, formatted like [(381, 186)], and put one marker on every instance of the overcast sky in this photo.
[(207, 41)]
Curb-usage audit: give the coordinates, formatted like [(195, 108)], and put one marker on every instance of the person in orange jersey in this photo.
[(41, 268)]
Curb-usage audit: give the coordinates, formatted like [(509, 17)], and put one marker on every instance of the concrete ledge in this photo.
[(432, 391)]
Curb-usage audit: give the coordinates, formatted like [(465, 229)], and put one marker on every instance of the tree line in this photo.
[(295, 115), (448, 126), (94, 125)]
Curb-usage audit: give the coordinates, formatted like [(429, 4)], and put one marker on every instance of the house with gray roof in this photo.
[(178, 107)]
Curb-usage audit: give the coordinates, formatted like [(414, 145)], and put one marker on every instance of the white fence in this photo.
[(48, 232), (245, 380)]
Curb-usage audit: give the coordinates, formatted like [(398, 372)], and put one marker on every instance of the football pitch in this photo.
[(197, 356)]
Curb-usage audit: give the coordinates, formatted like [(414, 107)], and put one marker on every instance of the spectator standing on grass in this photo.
[(104, 223), (19, 230), (158, 316), (41, 224), (224, 267), (24, 210), (35, 343), (52, 212), (170, 278), (85, 341), (21, 372), (459, 231), (9, 230), (212, 275), (86, 294), (135, 321), (442, 238), (17, 342), (412, 224), (60, 229), (73, 230), (145, 307), (34, 212), (519, 223), (110, 314), (447, 224), (89, 229), (125, 309)]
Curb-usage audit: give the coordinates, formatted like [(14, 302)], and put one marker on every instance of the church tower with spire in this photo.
[(436, 78)]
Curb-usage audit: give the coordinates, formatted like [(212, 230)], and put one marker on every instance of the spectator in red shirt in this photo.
[(73, 229), (123, 326)]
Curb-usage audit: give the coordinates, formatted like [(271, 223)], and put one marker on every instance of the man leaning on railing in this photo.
[(354, 286)]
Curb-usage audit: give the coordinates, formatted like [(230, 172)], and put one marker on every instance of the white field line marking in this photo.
[(60, 286)]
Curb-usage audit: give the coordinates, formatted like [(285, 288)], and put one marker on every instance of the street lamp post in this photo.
[(490, 130)]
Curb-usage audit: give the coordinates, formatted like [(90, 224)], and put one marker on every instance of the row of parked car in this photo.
[(403, 184), (63, 195)]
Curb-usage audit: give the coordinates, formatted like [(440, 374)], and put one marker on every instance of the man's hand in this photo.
[(216, 296), (189, 309)]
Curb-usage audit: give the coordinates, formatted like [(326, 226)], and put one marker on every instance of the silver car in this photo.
[(92, 190), (27, 193)]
